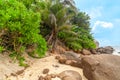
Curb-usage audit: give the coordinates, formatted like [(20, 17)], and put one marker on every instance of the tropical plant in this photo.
[(82, 28), (82, 38), (87, 40), (55, 18), (1, 49), (62, 21), (82, 20), (70, 39), (19, 29)]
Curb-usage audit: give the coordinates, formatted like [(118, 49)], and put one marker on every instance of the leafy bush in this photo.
[(57, 17), (77, 39), (70, 39), (1, 49), (87, 41), (19, 28)]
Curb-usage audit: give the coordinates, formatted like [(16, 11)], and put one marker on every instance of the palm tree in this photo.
[(56, 17)]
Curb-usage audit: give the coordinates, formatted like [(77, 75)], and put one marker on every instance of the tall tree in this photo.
[(82, 20), (56, 17), (61, 20), (82, 27)]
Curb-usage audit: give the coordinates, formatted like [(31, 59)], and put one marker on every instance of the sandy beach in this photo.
[(8, 70)]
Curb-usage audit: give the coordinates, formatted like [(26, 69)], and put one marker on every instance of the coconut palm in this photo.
[(62, 21), (56, 17)]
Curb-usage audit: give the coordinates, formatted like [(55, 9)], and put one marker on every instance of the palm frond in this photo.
[(74, 46), (70, 33), (64, 27), (72, 39)]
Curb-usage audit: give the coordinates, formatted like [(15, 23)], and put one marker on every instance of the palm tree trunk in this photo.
[(50, 38), (53, 40)]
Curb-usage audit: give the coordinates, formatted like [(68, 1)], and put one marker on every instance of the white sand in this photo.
[(35, 69)]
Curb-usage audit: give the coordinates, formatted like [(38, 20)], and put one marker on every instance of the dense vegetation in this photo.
[(19, 29), (24, 22), (61, 21)]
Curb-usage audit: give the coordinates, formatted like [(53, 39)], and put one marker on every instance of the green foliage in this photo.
[(82, 20), (77, 41), (27, 3), (87, 41), (1, 48), (16, 56), (82, 28), (77, 38), (19, 27), (61, 20), (55, 18), (71, 39)]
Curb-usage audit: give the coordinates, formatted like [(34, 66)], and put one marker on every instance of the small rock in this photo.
[(53, 75), (57, 57), (70, 75), (41, 78), (76, 64), (68, 62), (48, 77), (62, 60), (55, 65), (45, 71)]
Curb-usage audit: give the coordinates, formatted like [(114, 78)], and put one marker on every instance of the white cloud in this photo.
[(102, 24)]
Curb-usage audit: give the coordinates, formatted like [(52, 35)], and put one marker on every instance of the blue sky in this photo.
[(105, 19)]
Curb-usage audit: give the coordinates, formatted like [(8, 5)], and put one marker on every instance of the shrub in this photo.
[(77, 39), (19, 28), (87, 40), (70, 39), (1, 49)]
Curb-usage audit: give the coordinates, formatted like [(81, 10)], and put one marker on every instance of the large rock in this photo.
[(70, 58), (109, 49), (70, 75), (101, 67), (71, 55), (105, 50), (86, 52)]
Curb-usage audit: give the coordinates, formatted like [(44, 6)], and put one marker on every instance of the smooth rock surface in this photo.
[(105, 50), (70, 75), (86, 52), (101, 67)]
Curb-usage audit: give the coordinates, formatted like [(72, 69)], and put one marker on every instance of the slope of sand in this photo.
[(35, 70)]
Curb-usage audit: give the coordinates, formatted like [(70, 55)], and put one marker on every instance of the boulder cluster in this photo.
[(65, 75), (97, 64), (101, 67), (105, 50)]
